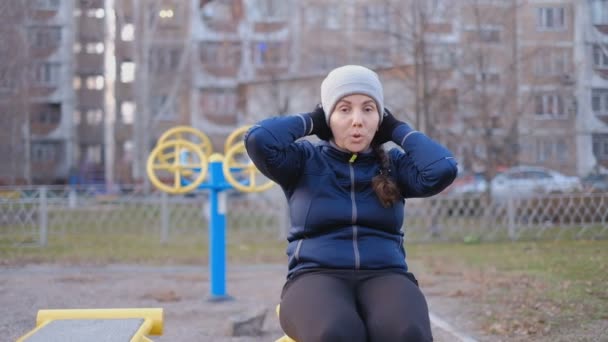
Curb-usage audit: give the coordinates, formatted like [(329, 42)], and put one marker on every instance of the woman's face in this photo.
[(354, 122)]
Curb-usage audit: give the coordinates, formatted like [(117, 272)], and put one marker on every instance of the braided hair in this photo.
[(384, 186)]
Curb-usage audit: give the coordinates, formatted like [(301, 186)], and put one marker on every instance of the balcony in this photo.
[(598, 11)]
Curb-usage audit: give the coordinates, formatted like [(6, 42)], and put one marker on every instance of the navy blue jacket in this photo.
[(337, 220)]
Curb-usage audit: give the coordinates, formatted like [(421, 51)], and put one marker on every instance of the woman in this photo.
[(348, 279)]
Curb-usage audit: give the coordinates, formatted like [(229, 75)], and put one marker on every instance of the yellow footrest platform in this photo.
[(115, 325)]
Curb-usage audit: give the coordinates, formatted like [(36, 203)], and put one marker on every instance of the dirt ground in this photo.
[(183, 293)]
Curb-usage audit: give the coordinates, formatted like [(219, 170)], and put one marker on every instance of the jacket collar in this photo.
[(331, 149)]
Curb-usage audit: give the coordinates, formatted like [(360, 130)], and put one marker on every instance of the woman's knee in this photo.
[(400, 332), (338, 332)]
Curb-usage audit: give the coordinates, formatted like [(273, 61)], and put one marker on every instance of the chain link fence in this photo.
[(56, 219)]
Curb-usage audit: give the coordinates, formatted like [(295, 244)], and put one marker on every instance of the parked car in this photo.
[(524, 181), (596, 182)]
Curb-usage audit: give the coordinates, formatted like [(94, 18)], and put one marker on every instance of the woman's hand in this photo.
[(319, 125), (385, 131)]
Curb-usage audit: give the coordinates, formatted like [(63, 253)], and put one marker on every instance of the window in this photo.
[(7, 79), (127, 112), (98, 13), (324, 61), (376, 17), (600, 57), (93, 154), (551, 149), (169, 15), (273, 9), (436, 10), (44, 152), (550, 62), (48, 116), (599, 12), (487, 77), (127, 32), (220, 54), (326, 17), (166, 14), (94, 116), (375, 56), (47, 5), (489, 35), (77, 82), (164, 58), (551, 18), (443, 57), (41, 37), (94, 48), (127, 72), (94, 82), (221, 101), (217, 11), (599, 101), (163, 107), (77, 117), (270, 54), (549, 106), (47, 74), (600, 146)]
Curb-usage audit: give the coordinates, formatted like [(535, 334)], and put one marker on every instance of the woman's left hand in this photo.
[(385, 131)]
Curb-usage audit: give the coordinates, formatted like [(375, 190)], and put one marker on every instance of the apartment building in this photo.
[(501, 82), (591, 77), (37, 98)]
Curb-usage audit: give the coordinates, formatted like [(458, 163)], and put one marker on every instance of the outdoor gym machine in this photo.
[(183, 161)]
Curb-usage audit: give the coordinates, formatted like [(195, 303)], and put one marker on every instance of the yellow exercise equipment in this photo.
[(168, 159), (120, 325), (237, 162), (235, 137), (178, 166), (285, 338), (188, 133)]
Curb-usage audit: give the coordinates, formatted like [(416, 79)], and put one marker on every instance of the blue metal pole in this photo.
[(217, 231)]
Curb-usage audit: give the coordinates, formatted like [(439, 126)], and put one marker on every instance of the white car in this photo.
[(525, 181)]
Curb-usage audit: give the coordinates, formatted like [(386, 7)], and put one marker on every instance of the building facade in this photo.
[(501, 82)]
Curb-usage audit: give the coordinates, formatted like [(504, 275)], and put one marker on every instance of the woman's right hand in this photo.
[(319, 125)]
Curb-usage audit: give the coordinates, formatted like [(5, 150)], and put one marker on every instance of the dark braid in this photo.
[(384, 186)]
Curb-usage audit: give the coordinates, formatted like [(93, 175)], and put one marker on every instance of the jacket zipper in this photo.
[(354, 213)]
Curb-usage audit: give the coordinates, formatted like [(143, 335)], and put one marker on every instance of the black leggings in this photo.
[(347, 305)]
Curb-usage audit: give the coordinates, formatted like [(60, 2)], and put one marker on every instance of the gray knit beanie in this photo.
[(348, 80)]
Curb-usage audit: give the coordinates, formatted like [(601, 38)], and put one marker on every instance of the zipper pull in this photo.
[(352, 158)]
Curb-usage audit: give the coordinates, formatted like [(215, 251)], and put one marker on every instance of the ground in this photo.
[(182, 291)]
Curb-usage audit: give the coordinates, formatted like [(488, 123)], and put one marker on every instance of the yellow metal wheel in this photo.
[(172, 161), (237, 163), (235, 137), (190, 134)]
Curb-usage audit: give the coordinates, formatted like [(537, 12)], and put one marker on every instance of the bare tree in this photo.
[(491, 101)]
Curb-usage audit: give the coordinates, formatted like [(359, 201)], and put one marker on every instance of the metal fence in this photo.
[(84, 217)]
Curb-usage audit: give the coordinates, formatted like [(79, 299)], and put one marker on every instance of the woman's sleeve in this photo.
[(271, 145), (425, 167)]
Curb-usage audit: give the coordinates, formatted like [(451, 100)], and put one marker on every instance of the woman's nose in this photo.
[(357, 118)]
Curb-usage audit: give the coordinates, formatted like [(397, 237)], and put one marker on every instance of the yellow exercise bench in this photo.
[(120, 325), (285, 338)]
